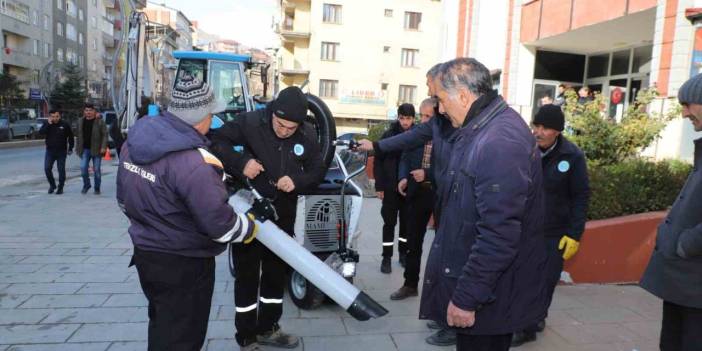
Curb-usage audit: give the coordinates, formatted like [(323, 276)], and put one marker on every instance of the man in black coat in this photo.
[(59, 143), (566, 194), (385, 170), (674, 272), (416, 186), (280, 154)]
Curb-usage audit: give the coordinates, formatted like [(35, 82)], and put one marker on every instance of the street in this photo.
[(65, 285)]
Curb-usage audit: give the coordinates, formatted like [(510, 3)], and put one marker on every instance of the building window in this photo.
[(412, 20), (332, 14), (59, 54), (71, 32), (80, 14), (47, 50), (80, 38), (46, 22), (94, 43), (407, 93), (93, 21), (386, 49), (35, 50), (329, 51), (71, 8), (384, 86), (94, 2), (35, 18), (81, 61), (597, 66), (388, 12), (59, 29), (409, 57), (328, 88), (59, 5), (94, 68)]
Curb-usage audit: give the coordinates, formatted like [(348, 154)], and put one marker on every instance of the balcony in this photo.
[(17, 58), (288, 33), (110, 4), (15, 10), (108, 32), (293, 69)]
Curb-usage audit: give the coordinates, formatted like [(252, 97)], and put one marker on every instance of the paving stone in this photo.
[(385, 325), (123, 260), (12, 300), (110, 288), (95, 252), (9, 260), (42, 288), (313, 326), (350, 343), (93, 277), (20, 268), (48, 333), (126, 300), (100, 346), (29, 277), (53, 259), (128, 346), (620, 347), (78, 245), (324, 311), (98, 315), (34, 245), (604, 315), (61, 301), (415, 342), (82, 268), (594, 333), (33, 252), (220, 329), (645, 330), (20, 316), (111, 332)]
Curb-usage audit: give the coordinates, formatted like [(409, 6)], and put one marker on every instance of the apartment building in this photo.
[(70, 26), (27, 42), (616, 47), (362, 57), (101, 37)]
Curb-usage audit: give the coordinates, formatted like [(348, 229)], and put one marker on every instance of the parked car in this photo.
[(4, 128), (22, 123)]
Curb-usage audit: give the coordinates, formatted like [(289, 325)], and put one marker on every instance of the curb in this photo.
[(19, 144)]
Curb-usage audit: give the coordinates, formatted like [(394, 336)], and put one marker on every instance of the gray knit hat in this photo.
[(691, 91), (192, 100)]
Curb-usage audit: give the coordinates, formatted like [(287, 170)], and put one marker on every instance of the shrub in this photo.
[(634, 186)]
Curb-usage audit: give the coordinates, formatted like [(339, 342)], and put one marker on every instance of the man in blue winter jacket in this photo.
[(484, 272), (171, 189)]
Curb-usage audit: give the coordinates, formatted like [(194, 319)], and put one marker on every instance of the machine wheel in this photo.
[(325, 126), (303, 294)]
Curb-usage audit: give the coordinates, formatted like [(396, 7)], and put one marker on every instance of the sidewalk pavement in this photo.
[(65, 285)]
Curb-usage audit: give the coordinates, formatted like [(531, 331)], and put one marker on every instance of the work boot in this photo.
[(434, 325), (443, 337), (403, 259), (403, 293), (522, 337), (385, 266), (278, 338), (251, 347), (51, 189), (85, 189), (59, 191), (97, 191)]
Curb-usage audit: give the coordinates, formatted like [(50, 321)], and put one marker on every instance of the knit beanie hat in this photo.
[(192, 100), (550, 116), (290, 105), (691, 91)]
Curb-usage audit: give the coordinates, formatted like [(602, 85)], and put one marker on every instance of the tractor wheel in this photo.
[(323, 122), (303, 294)]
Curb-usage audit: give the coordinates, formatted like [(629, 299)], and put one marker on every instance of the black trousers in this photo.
[(260, 281), (553, 269), (682, 328), (419, 208), (483, 342), (60, 158), (394, 205), (179, 290)]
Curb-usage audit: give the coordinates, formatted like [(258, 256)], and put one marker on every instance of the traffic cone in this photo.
[(107, 156)]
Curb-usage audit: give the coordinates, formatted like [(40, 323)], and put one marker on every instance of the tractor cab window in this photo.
[(225, 79)]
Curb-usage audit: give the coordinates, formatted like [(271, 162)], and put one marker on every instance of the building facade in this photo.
[(101, 38), (27, 42), (538, 44), (362, 57), (70, 25)]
